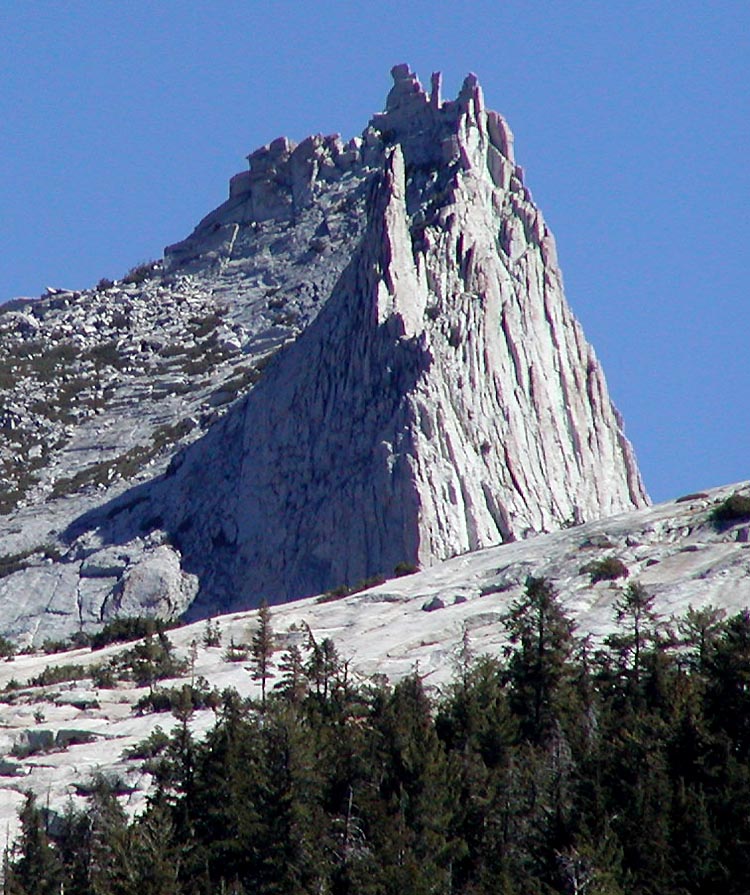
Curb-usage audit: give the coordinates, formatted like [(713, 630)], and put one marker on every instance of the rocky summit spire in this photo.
[(438, 395), (444, 399)]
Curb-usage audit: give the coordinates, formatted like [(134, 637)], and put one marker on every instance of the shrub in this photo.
[(140, 273), (154, 744), (104, 675), (151, 660), (608, 569), (43, 741), (336, 593), (343, 590), (80, 639), (14, 562), (236, 652), (736, 508), (59, 674), (122, 630), (212, 634), (169, 699), (55, 646)]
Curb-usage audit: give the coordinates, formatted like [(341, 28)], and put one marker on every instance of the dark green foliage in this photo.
[(37, 870), (539, 669), (57, 674), (552, 770), (122, 630), (405, 568), (15, 562), (212, 633), (154, 744), (343, 590), (50, 646), (700, 630), (150, 660), (178, 699), (293, 683), (262, 648), (736, 508), (236, 652), (610, 568), (640, 636)]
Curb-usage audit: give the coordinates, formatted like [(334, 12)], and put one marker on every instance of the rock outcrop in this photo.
[(444, 399), (439, 396)]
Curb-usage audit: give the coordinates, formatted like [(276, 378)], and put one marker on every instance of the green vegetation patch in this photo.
[(736, 508), (610, 568)]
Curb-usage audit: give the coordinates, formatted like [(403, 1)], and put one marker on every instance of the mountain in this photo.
[(362, 360)]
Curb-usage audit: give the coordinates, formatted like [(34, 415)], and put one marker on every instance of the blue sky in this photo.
[(120, 125)]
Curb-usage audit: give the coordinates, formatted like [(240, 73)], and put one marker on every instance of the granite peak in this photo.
[(384, 370)]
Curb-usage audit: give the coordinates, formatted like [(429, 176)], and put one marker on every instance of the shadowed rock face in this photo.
[(443, 399)]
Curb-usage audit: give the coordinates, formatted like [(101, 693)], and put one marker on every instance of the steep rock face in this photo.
[(444, 399), (431, 391)]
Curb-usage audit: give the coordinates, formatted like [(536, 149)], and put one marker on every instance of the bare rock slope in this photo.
[(434, 394)]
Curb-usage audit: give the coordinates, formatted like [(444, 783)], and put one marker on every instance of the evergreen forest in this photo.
[(560, 766)]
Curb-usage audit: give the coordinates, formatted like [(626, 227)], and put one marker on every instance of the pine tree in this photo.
[(221, 842), (37, 871), (154, 858), (262, 649), (640, 630), (700, 630), (110, 844), (323, 664), (412, 825), (539, 669), (211, 634), (294, 843), (474, 723), (728, 684), (293, 684)]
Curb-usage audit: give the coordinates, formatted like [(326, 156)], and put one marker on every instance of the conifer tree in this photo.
[(38, 870), (323, 664), (293, 684), (539, 668), (640, 628), (74, 846), (262, 649), (413, 830), (728, 685), (110, 844), (154, 858), (700, 630)]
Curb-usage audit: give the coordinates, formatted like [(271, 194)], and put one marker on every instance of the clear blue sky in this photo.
[(121, 123)]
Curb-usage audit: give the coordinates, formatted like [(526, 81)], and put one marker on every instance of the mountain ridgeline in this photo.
[(384, 372)]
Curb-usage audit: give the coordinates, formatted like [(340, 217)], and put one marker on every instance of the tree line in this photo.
[(560, 766)]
